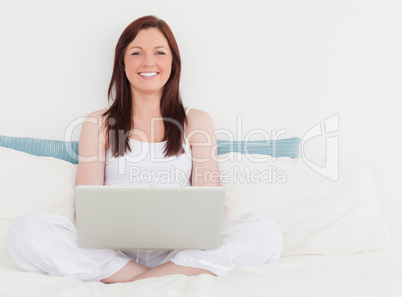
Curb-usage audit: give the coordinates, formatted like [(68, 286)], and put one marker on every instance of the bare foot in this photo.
[(171, 268), (127, 274)]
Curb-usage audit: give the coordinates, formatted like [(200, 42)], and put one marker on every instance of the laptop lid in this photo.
[(136, 217)]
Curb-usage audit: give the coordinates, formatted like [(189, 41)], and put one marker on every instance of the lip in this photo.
[(152, 77)]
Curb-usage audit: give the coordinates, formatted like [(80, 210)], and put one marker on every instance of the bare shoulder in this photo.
[(95, 118), (96, 114), (198, 118), (91, 130), (200, 125)]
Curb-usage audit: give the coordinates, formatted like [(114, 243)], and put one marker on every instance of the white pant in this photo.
[(47, 244)]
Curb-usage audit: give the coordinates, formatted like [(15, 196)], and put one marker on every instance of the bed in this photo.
[(335, 240)]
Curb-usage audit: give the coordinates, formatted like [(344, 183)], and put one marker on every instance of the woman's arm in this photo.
[(204, 148), (91, 166)]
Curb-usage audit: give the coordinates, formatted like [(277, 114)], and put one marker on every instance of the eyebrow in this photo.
[(141, 47)]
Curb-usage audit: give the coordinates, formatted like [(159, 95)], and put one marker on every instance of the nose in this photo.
[(149, 60)]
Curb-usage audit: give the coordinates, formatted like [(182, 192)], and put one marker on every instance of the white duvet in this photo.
[(335, 238), (369, 274)]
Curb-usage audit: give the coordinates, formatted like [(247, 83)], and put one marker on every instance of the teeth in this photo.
[(148, 74)]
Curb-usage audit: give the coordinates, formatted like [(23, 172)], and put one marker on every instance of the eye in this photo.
[(136, 54), (160, 53)]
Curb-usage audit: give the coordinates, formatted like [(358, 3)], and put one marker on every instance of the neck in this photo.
[(146, 106)]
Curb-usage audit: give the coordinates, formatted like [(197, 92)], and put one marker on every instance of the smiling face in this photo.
[(148, 62)]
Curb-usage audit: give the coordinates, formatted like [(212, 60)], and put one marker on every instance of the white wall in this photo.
[(279, 64)]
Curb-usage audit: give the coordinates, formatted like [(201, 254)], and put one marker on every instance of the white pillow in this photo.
[(32, 184), (316, 215)]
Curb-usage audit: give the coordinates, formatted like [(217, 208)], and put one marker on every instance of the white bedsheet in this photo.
[(371, 274)]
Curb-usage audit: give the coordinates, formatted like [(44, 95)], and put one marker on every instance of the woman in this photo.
[(146, 128)]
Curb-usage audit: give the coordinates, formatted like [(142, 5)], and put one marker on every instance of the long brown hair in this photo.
[(118, 120)]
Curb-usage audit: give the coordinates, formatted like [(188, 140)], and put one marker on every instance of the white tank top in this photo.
[(146, 165)]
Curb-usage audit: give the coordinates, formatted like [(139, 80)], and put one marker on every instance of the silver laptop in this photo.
[(134, 217)]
